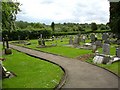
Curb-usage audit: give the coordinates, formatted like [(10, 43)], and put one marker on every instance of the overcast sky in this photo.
[(60, 11)]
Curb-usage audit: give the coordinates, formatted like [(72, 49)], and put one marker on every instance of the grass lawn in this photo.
[(59, 49), (31, 72), (112, 67)]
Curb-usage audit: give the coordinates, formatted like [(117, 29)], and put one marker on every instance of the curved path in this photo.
[(80, 74)]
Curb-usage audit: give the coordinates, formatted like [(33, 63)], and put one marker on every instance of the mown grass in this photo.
[(60, 49), (31, 72), (114, 67)]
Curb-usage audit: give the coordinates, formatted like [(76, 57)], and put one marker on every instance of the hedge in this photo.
[(34, 34)]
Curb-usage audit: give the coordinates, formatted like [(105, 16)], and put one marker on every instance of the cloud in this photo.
[(60, 11)]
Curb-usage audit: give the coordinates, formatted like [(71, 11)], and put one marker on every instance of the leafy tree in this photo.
[(115, 17), (53, 26), (93, 26), (9, 11)]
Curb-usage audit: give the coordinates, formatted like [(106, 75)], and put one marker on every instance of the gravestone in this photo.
[(3, 43), (118, 52), (18, 39), (94, 48), (53, 38), (101, 59), (92, 37), (76, 41), (7, 50), (71, 40), (105, 36), (118, 41), (6, 38), (61, 39), (98, 43), (41, 41), (98, 59), (83, 38), (107, 41), (106, 49)]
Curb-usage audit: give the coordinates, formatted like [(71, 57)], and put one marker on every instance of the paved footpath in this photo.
[(80, 74)]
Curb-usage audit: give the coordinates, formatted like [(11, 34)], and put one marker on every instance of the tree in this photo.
[(53, 26), (115, 17), (93, 26), (9, 11)]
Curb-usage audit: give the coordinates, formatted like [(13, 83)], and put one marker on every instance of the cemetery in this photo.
[(61, 55)]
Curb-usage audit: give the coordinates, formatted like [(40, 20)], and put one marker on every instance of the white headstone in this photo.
[(98, 59)]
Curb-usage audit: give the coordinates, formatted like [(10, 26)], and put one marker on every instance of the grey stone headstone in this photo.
[(118, 41), (105, 36), (94, 48), (106, 49), (107, 41), (98, 43), (71, 40), (76, 40), (118, 52), (92, 37)]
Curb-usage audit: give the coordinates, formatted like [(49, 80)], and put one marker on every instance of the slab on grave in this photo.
[(101, 59), (106, 49)]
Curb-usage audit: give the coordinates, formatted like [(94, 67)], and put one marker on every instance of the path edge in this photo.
[(64, 77)]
